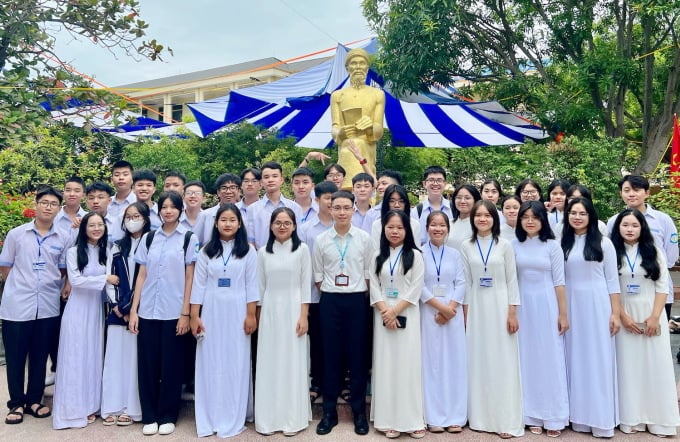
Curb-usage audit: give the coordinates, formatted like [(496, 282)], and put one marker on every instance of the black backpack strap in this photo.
[(419, 208), (149, 239), (187, 239)]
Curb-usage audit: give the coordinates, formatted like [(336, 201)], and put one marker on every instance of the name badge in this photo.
[(391, 292), (342, 280), (39, 265), (486, 282), (633, 289), (439, 290), (224, 282)]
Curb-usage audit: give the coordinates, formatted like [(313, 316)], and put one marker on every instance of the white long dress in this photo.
[(78, 385), (590, 352), (223, 382), (459, 232), (281, 386), (495, 390), (647, 392), (540, 268), (445, 385), (397, 401), (120, 390)]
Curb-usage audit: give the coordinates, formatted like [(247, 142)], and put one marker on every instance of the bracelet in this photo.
[(364, 161)]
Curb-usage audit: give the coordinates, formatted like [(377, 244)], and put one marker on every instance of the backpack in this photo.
[(187, 238)]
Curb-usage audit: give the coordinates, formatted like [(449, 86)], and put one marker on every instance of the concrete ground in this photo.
[(41, 429)]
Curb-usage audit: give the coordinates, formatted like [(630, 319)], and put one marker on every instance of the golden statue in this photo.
[(357, 113)]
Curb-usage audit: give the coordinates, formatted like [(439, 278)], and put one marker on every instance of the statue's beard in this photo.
[(357, 80)]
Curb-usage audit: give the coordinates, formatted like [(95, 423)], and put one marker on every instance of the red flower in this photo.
[(28, 213)]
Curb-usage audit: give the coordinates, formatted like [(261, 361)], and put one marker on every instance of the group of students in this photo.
[(457, 312)]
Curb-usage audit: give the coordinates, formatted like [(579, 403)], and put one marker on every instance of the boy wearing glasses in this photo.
[(228, 188), (193, 204), (434, 182), (32, 263), (250, 186)]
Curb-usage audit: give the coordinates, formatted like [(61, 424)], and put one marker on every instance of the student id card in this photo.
[(486, 282)]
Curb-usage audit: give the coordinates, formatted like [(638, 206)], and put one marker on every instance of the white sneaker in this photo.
[(49, 378), (150, 429), (166, 428)]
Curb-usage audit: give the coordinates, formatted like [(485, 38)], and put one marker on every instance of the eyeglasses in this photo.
[(232, 188), (435, 181), (529, 192), (195, 193), (96, 226), (279, 224), (250, 181), (342, 208), (463, 198), (133, 217), (399, 202), (47, 204), (335, 175)]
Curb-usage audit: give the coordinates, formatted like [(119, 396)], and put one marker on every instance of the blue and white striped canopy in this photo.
[(299, 106)]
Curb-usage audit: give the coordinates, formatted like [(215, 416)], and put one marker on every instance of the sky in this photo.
[(205, 34)]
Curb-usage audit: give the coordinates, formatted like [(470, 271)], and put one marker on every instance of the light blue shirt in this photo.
[(259, 216), (117, 208), (427, 209), (308, 233)]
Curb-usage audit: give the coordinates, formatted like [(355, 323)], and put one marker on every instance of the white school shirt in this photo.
[(309, 214), (154, 217), (326, 260), (184, 221), (427, 209), (113, 225), (163, 290), (118, 208), (259, 215), (308, 233), (63, 222), (32, 294)]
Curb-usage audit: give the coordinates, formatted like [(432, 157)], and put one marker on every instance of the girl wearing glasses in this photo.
[(120, 391), (648, 398), (529, 190), (223, 303), (77, 391), (543, 315), (593, 298), (284, 271), (395, 198)]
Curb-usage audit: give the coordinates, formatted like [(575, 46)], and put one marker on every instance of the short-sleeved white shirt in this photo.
[(326, 261)]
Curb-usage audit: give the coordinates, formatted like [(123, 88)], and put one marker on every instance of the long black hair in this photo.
[(562, 184), (646, 246), (81, 242), (408, 247), (125, 242), (493, 211), (538, 210), (272, 238), (476, 196), (213, 247), (401, 192), (592, 250)]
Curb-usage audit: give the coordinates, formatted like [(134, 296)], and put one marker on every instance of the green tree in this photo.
[(32, 71), (585, 67)]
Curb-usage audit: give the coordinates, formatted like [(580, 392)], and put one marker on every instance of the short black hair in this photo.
[(197, 183), (48, 190), (395, 175), (227, 178), (335, 166), (342, 194), (178, 174), (363, 176), (272, 165), (303, 171), (77, 180), (144, 175), (325, 187), (433, 169), (255, 171), (122, 164), (99, 186), (173, 196), (635, 181)]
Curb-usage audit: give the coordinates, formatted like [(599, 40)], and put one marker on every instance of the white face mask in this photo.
[(133, 226)]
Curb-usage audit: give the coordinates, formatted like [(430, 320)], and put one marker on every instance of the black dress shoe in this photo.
[(328, 421), (360, 424)]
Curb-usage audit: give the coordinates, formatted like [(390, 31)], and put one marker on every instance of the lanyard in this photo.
[(632, 266), (392, 267), (343, 251), (438, 267), (225, 262), (40, 242), (481, 255), (304, 218)]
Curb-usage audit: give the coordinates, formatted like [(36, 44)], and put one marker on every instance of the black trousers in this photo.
[(315, 347), (27, 340), (344, 331), (160, 360), (54, 344)]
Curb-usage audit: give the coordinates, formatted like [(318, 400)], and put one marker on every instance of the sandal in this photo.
[(91, 418), (110, 420), (14, 412), (124, 420), (536, 430), (505, 435), (314, 394), (392, 434), (435, 429), (454, 429), (36, 412), (553, 433), (418, 434)]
